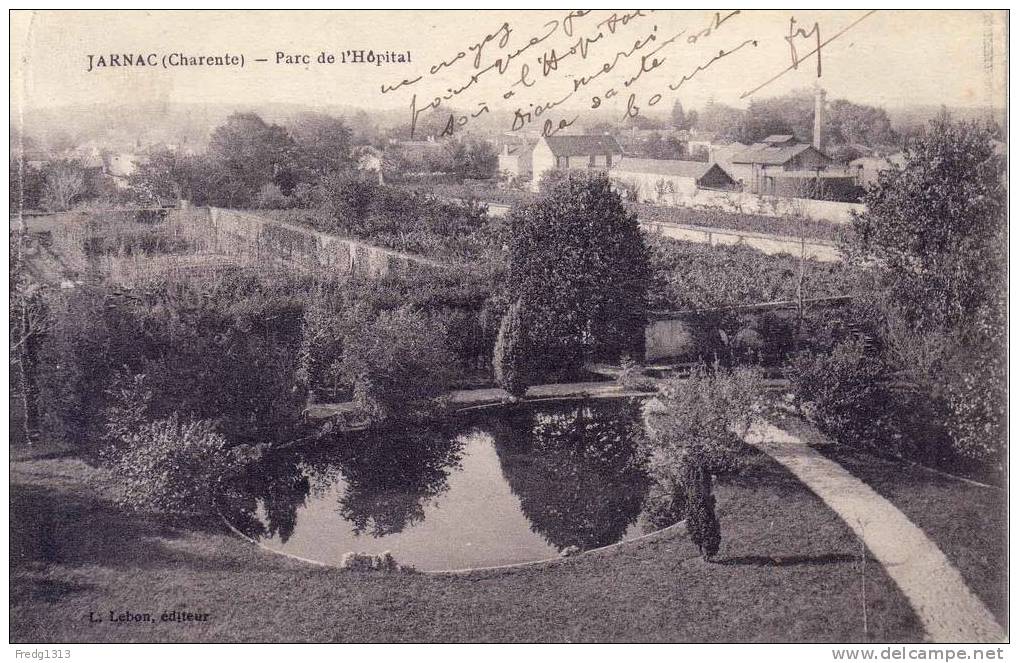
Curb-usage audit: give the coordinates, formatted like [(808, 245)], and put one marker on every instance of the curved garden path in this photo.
[(946, 606)]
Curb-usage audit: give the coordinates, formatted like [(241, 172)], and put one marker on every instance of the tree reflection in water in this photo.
[(577, 469), (390, 476), (279, 485)]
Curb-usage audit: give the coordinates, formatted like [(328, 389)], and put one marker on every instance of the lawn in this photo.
[(967, 521), (788, 570)]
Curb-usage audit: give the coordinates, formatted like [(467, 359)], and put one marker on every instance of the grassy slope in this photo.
[(968, 522), (788, 571)]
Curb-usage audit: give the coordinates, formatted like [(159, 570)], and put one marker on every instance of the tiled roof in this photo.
[(766, 154), (575, 146), (778, 138), (675, 168)]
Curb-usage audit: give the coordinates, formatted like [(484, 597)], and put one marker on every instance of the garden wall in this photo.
[(770, 244), (825, 210), (245, 233)]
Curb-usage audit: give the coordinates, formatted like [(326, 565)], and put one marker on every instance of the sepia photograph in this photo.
[(509, 326)]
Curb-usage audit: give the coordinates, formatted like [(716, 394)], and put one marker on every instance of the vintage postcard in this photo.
[(526, 326)]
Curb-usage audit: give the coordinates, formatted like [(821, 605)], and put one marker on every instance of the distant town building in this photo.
[(656, 179), (515, 160), (868, 169), (775, 163), (722, 153), (572, 153), (699, 143)]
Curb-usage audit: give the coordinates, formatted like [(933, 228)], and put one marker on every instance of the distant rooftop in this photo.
[(673, 167), (769, 155)]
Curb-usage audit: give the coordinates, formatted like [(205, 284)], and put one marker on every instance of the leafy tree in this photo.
[(681, 118), (723, 120), (937, 224), (322, 143), (65, 183), (577, 258), (250, 154), (167, 175), (936, 230), (471, 158), (850, 123), (511, 353)]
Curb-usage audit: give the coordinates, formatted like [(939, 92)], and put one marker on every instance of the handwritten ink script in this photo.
[(579, 60), (619, 63), (797, 33)]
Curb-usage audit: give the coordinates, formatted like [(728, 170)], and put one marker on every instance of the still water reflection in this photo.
[(497, 488)]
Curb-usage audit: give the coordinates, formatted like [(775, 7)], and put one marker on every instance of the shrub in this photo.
[(846, 393), (226, 351), (510, 359), (631, 376), (321, 353), (695, 429), (171, 465), (399, 364)]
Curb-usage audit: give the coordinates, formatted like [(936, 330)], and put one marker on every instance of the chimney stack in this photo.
[(818, 118)]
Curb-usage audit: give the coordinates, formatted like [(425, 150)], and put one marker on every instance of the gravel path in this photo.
[(949, 611)]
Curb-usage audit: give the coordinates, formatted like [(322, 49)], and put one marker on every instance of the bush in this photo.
[(226, 351), (631, 376), (579, 261), (405, 220), (511, 353), (695, 429), (399, 364), (846, 393), (171, 465)]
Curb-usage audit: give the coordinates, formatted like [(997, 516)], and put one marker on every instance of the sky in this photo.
[(894, 58)]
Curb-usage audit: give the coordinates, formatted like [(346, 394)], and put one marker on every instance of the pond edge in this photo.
[(548, 562)]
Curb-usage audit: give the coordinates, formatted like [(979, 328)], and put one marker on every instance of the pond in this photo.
[(496, 487)]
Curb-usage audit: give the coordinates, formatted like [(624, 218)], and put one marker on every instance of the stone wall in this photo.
[(252, 235)]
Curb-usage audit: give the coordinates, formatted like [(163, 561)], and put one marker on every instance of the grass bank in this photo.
[(788, 570), (967, 521)]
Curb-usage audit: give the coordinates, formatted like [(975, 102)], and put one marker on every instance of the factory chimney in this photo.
[(818, 117)]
